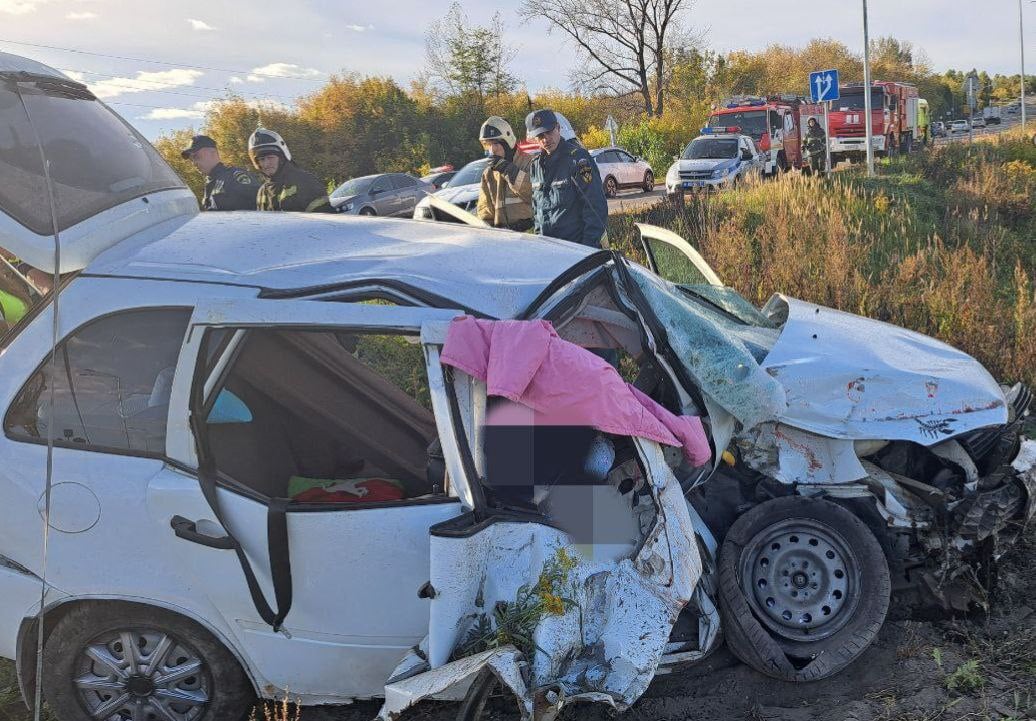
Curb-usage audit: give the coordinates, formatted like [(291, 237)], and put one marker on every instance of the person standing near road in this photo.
[(816, 146), (505, 193), (287, 187), (567, 194), (226, 187)]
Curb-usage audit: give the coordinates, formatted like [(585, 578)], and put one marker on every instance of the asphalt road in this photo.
[(1008, 122), (629, 201)]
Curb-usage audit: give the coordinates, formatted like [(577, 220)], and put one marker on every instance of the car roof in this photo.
[(17, 64), (497, 273), (597, 151)]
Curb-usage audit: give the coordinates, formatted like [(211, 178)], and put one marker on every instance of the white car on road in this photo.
[(620, 169), (713, 161), (959, 126)]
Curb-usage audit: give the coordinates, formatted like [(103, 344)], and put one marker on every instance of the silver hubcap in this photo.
[(801, 579), (142, 675)]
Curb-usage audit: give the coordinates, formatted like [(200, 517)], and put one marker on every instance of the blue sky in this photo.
[(275, 52)]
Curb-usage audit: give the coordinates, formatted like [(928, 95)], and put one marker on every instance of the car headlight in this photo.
[(347, 208)]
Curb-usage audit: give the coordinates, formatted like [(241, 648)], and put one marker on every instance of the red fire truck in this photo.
[(894, 117), (774, 123)]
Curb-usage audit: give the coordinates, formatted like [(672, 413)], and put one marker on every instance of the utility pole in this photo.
[(1021, 47), (868, 121)]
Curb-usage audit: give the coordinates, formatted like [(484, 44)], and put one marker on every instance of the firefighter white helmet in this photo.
[(498, 130), (263, 139)]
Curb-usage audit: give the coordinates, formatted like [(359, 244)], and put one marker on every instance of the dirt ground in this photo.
[(981, 668)]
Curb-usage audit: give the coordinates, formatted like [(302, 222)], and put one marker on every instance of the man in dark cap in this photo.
[(567, 194), (226, 188)]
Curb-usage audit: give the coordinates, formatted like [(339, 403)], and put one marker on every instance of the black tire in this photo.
[(218, 677), (368, 211), (786, 647), (649, 181), (611, 187)]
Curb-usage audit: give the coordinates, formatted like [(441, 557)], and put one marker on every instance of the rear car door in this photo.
[(383, 195), (407, 193), (332, 407), (606, 164)]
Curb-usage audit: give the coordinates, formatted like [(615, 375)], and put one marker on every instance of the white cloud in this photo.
[(19, 7), (359, 28), (281, 70), (199, 24), (173, 114), (197, 110), (144, 81), (235, 80), (81, 16)]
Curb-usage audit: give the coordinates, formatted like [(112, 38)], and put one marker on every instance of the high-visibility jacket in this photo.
[(505, 193)]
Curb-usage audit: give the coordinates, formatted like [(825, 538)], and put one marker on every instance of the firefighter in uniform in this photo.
[(226, 187), (287, 186), (505, 193), (816, 141), (567, 194)]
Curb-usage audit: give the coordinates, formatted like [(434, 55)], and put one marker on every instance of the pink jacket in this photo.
[(527, 362)]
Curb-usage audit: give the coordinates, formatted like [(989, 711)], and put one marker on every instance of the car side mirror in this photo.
[(745, 155)]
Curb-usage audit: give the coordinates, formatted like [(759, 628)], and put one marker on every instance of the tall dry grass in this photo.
[(942, 242)]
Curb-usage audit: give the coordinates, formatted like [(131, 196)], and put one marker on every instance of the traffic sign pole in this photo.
[(827, 138), (868, 122)]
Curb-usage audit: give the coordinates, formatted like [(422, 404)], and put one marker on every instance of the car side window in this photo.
[(111, 385), (325, 416), (625, 157), (380, 185), (402, 181)]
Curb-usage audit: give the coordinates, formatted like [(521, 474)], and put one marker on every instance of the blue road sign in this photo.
[(823, 85)]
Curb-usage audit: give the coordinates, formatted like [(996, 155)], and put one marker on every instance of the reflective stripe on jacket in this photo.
[(505, 193)]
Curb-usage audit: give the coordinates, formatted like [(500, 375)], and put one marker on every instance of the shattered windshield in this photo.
[(722, 355), (97, 161)]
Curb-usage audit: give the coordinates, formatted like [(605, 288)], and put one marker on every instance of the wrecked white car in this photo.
[(263, 471)]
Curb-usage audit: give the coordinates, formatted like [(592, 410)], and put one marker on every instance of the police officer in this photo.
[(505, 192), (567, 194), (226, 188), (287, 186)]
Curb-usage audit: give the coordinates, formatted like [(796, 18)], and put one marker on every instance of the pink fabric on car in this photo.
[(528, 363)]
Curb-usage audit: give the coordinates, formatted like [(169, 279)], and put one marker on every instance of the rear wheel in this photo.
[(611, 187), (649, 181), (804, 588), (139, 663), (368, 211)]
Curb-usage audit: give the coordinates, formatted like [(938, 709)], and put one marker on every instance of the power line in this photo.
[(137, 88), (162, 62), (111, 77)]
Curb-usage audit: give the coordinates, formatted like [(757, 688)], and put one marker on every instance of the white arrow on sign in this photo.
[(824, 83)]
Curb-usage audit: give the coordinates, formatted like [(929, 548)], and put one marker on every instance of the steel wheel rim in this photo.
[(613, 189), (801, 579), (141, 674)]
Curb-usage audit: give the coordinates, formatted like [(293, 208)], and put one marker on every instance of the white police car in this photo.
[(718, 158)]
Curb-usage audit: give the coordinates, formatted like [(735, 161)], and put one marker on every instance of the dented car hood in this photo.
[(850, 377)]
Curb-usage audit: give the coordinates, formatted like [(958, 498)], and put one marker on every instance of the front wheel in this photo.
[(649, 181), (611, 187), (368, 211), (129, 661), (804, 588)]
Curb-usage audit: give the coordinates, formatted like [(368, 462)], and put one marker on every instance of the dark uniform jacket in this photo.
[(230, 189), (567, 195), (292, 188)]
